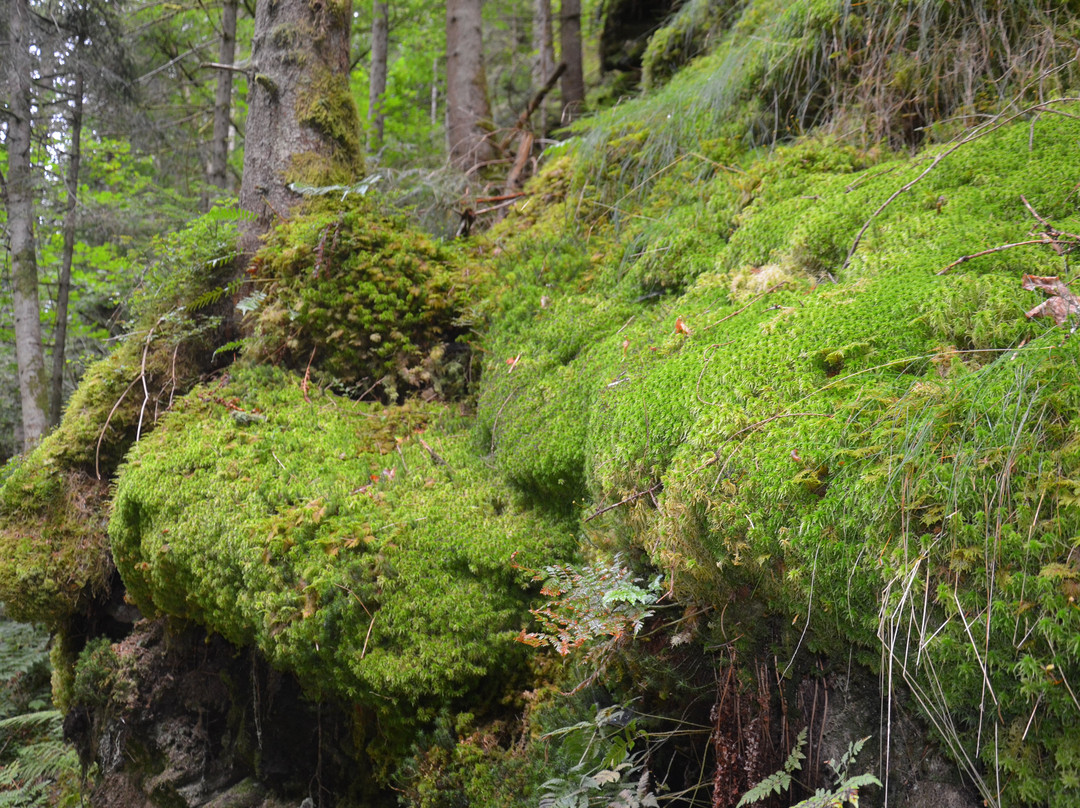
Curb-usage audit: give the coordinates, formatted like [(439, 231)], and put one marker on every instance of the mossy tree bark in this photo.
[(18, 192), (302, 123), (573, 80), (468, 111)]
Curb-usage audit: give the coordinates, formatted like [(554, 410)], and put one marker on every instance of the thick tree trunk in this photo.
[(380, 45), (56, 400), (468, 113), (19, 195), (545, 53), (302, 124), (573, 80), (219, 149)]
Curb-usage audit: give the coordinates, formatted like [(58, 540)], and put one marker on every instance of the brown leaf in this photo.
[(1055, 307), (1050, 284)]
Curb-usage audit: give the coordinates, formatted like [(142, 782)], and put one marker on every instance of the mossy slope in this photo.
[(897, 446)]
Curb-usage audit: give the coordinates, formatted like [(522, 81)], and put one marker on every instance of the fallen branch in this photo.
[(974, 134), (635, 496), (966, 258)]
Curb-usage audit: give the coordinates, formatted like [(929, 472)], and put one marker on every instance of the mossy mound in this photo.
[(363, 299), (893, 450), (329, 535)]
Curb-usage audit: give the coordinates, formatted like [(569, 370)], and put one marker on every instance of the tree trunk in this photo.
[(56, 400), (573, 80), (302, 124), (467, 111), (219, 150), (380, 45), (19, 197), (545, 53)]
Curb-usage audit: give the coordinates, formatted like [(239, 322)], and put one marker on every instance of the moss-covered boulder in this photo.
[(881, 444), (368, 550), (54, 558)]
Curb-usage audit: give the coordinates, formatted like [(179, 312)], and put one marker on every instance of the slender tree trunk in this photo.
[(302, 124), (573, 80), (545, 54), (56, 400), (380, 45), (19, 195), (219, 153), (467, 111)]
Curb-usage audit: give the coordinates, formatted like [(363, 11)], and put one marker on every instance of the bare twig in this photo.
[(974, 134), (101, 437), (1001, 248), (648, 492), (753, 300)]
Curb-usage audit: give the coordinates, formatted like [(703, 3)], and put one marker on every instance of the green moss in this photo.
[(369, 302), (326, 534), (325, 104), (902, 443), (53, 551)]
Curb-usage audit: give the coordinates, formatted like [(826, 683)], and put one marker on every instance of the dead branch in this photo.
[(537, 100), (648, 492), (973, 134), (1044, 240), (517, 171), (500, 198)]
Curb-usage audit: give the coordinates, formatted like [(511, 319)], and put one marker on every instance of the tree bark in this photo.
[(19, 196), (302, 123), (219, 150), (467, 111), (56, 400), (545, 53), (573, 80), (380, 45)]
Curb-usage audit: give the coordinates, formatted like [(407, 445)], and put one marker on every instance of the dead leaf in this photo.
[(1061, 302), (681, 327)]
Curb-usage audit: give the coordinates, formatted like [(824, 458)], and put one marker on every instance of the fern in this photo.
[(847, 792), (778, 782), (230, 213), (212, 296)]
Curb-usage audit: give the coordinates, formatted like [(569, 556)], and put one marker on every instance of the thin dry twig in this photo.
[(974, 134), (104, 429), (648, 492)]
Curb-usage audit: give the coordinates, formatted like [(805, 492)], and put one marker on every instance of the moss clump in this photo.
[(328, 535), (364, 299)]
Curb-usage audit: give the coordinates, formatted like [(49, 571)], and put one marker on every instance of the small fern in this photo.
[(212, 296), (846, 792), (229, 213), (778, 782)]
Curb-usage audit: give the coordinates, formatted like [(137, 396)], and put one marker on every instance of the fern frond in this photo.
[(777, 782), (212, 296), (230, 213), (40, 721)]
